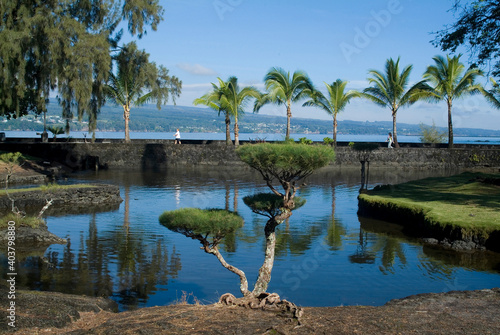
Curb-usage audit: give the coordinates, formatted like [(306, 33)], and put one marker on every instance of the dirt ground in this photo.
[(29, 172), (458, 312)]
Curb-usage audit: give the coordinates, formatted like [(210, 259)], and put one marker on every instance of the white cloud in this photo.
[(196, 69)]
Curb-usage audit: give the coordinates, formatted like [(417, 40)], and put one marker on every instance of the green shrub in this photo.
[(269, 203), (431, 134), (305, 140), (328, 140), (11, 157), (201, 221), (286, 157)]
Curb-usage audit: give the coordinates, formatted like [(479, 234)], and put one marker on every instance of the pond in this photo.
[(326, 255)]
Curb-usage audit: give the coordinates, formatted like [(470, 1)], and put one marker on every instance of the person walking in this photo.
[(177, 137), (389, 140)]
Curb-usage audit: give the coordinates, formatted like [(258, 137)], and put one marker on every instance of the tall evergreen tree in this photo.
[(63, 46)]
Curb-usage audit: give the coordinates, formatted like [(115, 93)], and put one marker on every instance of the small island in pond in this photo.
[(460, 212)]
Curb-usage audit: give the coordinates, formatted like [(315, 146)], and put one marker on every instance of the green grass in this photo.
[(30, 221), (46, 188), (470, 201), (23, 157)]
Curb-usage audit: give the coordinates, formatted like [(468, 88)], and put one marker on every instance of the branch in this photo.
[(243, 279), (47, 205)]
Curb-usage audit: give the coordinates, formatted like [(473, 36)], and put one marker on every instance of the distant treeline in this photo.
[(193, 119)]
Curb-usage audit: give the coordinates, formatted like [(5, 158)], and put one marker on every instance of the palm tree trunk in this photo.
[(334, 130), (394, 131), (236, 131), (126, 116), (450, 126), (228, 129), (288, 116)]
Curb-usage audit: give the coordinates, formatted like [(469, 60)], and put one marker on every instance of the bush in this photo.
[(305, 140), (269, 203), (431, 134), (328, 140), (201, 221), (11, 157), (285, 157)]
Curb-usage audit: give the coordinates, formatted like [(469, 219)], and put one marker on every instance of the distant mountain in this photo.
[(193, 119)]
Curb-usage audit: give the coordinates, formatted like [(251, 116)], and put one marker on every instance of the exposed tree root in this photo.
[(265, 301)]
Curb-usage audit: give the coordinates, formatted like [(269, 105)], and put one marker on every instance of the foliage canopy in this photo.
[(216, 222), (287, 161), (138, 81), (477, 28), (63, 46), (269, 204)]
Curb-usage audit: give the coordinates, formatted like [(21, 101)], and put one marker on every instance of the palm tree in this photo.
[(337, 100), (284, 90), (236, 100), (493, 95), (228, 98), (451, 83), (389, 90), (214, 100), (134, 75), (56, 130)]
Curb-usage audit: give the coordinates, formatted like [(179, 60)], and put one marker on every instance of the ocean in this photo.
[(251, 136)]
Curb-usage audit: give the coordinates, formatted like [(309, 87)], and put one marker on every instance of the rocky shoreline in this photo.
[(87, 195), (457, 312)]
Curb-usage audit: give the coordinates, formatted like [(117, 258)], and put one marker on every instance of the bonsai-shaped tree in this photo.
[(287, 164)]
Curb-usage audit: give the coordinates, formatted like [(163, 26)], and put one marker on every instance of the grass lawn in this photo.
[(470, 201), (45, 188)]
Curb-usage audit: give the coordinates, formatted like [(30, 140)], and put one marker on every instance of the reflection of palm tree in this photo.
[(391, 249), (362, 254), (335, 230)]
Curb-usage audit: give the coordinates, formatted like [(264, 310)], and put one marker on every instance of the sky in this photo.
[(200, 40)]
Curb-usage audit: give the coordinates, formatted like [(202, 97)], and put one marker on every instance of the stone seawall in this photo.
[(148, 154)]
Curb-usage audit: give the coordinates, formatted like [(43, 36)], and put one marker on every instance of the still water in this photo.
[(326, 255)]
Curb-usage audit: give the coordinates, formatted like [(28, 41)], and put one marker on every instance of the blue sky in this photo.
[(200, 40)]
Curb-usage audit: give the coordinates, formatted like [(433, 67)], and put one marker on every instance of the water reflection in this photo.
[(325, 254)]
